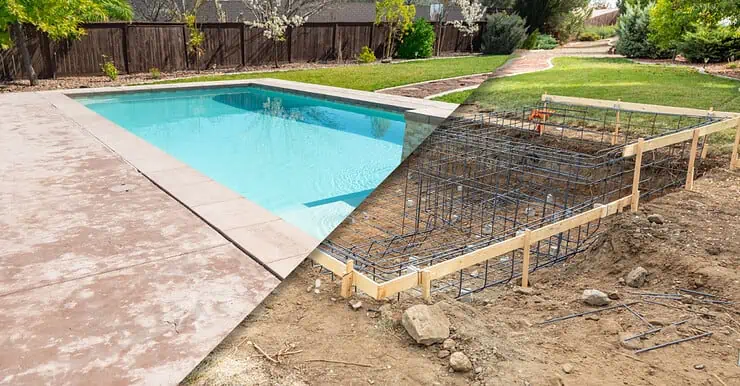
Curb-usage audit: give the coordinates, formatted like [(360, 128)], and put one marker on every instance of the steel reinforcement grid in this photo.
[(480, 180)]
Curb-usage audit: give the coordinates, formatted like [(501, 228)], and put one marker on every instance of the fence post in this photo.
[(636, 177), (291, 34), (346, 290), (243, 49), (124, 42), (734, 158), (334, 37), (525, 258), (692, 160)]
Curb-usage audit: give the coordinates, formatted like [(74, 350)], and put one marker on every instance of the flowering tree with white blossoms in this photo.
[(274, 17), (472, 12)]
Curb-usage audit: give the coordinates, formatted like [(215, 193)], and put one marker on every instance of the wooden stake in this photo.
[(692, 161), (426, 284), (705, 147), (346, 290), (525, 258), (733, 160), (615, 136), (636, 177)]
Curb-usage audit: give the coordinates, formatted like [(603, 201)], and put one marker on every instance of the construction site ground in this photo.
[(304, 334)]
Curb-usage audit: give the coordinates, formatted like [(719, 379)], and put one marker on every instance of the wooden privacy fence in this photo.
[(523, 241), (138, 47)]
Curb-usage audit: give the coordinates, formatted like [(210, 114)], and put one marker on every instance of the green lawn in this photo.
[(610, 79), (373, 77)]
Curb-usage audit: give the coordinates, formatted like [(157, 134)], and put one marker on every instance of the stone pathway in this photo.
[(524, 62), (104, 278)]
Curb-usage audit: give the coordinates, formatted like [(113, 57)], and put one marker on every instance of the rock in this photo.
[(594, 297), (316, 291), (636, 277), (610, 327), (333, 299), (523, 291), (478, 370), (460, 362), (443, 354), (621, 281), (632, 344), (714, 250), (567, 368), (687, 299), (593, 317), (309, 289), (317, 283), (614, 295), (699, 367), (449, 344), (355, 304), (426, 324), (656, 219)]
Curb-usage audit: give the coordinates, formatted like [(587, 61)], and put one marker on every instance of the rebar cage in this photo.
[(479, 180)]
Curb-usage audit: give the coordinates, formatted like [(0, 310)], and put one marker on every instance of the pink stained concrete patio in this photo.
[(104, 278)]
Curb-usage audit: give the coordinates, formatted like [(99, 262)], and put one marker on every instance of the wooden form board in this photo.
[(681, 136), (637, 107)]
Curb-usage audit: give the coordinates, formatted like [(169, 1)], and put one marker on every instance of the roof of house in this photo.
[(349, 12)]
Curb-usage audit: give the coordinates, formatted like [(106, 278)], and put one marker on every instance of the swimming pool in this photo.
[(309, 160)]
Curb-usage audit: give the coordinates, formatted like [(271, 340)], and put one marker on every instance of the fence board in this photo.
[(84, 56), (161, 46)]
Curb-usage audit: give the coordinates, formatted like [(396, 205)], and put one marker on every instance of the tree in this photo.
[(59, 19), (275, 16), (441, 19), (670, 20), (544, 15), (472, 12), (397, 16)]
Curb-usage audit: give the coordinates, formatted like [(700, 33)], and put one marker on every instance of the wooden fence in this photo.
[(138, 47)]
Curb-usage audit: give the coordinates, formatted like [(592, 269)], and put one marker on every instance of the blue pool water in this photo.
[(308, 160)]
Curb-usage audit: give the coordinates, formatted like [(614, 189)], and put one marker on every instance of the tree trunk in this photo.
[(20, 40), (388, 52), (275, 52)]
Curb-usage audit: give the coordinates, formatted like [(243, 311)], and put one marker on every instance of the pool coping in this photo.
[(271, 241)]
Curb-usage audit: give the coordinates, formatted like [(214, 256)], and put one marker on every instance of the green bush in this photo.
[(418, 42), (366, 55), (155, 73), (109, 68), (504, 33), (710, 44), (588, 37), (531, 41), (633, 30), (602, 31), (545, 42)]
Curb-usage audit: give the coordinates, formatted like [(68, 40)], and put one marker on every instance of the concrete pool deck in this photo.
[(105, 278)]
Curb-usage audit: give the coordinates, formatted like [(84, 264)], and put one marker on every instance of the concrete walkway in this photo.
[(524, 62), (104, 278)]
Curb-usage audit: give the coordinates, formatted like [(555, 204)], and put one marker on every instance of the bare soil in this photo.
[(697, 248)]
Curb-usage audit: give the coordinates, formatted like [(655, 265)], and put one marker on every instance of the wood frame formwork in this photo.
[(523, 242)]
